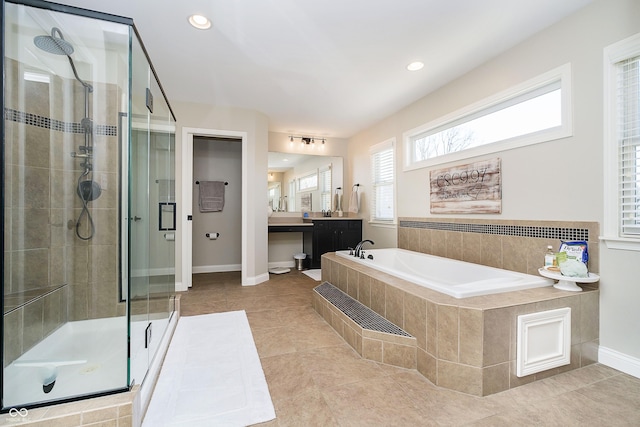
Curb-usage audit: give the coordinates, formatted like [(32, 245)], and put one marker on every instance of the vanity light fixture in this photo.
[(415, 66), (200, 22), (306, 140)]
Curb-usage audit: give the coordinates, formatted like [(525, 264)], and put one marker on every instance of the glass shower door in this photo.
[(151, 215)]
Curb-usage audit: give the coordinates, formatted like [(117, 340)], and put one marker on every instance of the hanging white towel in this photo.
[(354, 201), (337, 202), (211, 196)]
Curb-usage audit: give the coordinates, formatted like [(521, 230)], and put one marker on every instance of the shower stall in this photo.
[(89, 205)]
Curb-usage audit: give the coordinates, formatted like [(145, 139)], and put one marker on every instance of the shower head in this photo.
[(55, 43)]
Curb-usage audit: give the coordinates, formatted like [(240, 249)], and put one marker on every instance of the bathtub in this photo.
[(458, 279)]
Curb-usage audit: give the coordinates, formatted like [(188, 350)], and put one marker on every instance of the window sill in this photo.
[(621, 243)]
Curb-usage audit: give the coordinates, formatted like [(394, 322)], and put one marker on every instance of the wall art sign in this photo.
[(474, 188)]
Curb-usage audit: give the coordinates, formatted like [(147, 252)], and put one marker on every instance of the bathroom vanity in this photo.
[(320, 234), (334, 234)]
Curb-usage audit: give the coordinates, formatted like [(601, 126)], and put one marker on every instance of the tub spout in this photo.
[(358, 247)]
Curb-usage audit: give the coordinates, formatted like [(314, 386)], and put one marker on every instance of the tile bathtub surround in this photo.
[(469, 344), (509, 244)]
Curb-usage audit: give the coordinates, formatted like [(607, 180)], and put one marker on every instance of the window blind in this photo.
[(325, 189), (628, 94), (382, 167)]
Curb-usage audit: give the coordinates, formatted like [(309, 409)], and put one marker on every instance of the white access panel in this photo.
[(543, 341)]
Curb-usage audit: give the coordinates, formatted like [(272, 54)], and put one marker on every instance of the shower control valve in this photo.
[(85, 149), (88, 166)]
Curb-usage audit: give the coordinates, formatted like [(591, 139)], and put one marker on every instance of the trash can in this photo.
[(300, 260)]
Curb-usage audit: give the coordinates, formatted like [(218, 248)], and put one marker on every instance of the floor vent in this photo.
[(358, 312)]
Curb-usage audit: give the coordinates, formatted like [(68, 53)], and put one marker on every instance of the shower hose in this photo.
[(85, 211)]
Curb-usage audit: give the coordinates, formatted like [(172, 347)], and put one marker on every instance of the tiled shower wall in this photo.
[(42, 252), (511, 245)]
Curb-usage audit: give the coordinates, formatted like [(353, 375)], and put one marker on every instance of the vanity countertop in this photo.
[(286, 220), (290, 224), (330, 218)]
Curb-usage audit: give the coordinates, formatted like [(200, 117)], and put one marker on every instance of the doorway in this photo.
[(217, 232), (186, 212)]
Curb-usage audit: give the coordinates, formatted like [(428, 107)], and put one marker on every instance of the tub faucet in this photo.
[(358, 247)]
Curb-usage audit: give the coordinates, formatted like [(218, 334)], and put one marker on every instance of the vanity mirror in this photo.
[(303, 182)]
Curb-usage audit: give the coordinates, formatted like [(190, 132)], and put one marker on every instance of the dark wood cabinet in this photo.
[(330, 235)]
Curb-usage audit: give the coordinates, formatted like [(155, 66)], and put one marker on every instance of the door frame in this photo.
[(186, 206)]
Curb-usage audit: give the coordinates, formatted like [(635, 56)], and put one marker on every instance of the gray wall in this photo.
[(215, 160)]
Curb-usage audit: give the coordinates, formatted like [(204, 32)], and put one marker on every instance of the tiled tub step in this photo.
[(370, 334)]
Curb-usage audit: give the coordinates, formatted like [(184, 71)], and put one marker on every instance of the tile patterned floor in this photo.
[(316, 379)]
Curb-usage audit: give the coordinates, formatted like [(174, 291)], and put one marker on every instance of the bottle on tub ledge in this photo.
[(550, 257)]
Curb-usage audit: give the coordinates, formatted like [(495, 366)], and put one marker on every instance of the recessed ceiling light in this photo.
[(201, 22), (415, 66)]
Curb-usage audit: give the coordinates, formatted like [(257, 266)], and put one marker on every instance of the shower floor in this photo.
[(90, 357)]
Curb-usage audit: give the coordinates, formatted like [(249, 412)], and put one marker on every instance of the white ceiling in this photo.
[(330, 67)]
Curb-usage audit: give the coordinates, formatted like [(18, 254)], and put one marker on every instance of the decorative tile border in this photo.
[(57, 125), (559, 233)]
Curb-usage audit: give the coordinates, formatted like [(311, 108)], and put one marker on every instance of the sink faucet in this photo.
[(358, 247)]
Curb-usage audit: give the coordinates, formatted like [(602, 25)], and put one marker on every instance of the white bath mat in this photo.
[(314, 274), (211, 376)]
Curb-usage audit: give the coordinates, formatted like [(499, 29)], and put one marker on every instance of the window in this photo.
[(274, 197), (537, 111), (292, 197), (622, 145), (383, 175), (308, 182), (325, 188)]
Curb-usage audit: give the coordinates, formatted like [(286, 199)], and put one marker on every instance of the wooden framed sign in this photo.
[(473, 188)]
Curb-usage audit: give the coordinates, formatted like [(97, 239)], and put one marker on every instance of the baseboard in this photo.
[(153, 272), (250, 281), (180, 287), (289, 264), (216, 268), (620, 361)]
